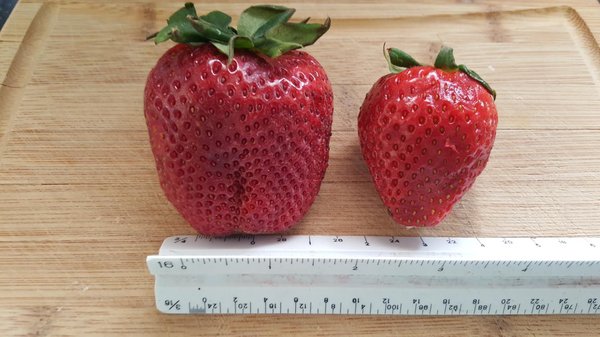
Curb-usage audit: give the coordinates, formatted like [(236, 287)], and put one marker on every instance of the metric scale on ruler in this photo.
[(377, 275)]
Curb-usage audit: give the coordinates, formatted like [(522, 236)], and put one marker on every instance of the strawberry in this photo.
[(426, 133), (239, 121)]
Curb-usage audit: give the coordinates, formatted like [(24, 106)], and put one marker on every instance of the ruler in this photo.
[(365, 275)]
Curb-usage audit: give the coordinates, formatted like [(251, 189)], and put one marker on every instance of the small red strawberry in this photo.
[(426, 133), (239, 121)]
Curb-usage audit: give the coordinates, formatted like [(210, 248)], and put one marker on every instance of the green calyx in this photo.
[(264, 29), (399, 61)]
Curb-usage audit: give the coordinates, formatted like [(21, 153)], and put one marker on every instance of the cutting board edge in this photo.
[(22, 66)]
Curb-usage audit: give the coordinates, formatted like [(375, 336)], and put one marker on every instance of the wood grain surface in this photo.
[(81, 207)]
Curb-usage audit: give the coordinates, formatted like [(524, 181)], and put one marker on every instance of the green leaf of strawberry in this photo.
[(445, 61), (218, 19), (179, 24), (264, 29), (398, 61), (257, 20)]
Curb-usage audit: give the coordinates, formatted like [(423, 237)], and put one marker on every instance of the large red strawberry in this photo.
[(239, 121), (426, 133)]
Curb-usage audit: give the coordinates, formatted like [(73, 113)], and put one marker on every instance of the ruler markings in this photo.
[(493, 275)]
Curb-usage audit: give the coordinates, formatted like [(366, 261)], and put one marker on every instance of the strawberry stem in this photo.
[(264, 29), (399, 61)]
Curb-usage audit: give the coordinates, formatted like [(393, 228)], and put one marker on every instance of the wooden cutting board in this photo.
[(81, 207)]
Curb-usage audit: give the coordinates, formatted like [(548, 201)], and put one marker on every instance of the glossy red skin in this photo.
[(240, 148), (426, 135)]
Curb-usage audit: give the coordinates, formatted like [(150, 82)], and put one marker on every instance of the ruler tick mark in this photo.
[(480, 243)]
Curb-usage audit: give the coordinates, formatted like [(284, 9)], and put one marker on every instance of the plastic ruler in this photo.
[(366, 275)]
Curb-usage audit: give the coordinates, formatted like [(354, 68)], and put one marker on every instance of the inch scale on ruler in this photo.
[(366, 275)]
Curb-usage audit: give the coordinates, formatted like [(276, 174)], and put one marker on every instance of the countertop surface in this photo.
[(81, 207)]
